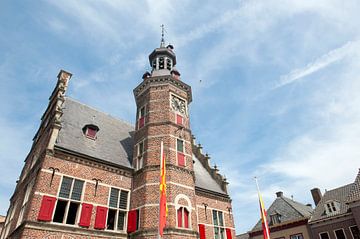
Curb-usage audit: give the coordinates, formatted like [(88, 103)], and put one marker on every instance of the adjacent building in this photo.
[(337, 212), (287, 219), (89, 174)]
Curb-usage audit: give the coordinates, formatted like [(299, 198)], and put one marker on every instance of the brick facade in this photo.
[(49, 164)]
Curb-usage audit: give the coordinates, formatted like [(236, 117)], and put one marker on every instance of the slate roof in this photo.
[(289, 210), (203, 178), (338, 194), (114, 142), (354, 194), (243, 236)]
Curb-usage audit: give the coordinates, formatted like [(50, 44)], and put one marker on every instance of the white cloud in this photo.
[(320, 63)]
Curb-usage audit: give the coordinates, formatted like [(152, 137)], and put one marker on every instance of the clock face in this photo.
[(178, 104)]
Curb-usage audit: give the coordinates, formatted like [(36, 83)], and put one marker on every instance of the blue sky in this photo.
[(275, 83)]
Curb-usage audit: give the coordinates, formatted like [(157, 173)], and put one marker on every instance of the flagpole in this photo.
[(263, 212), (161, 162)]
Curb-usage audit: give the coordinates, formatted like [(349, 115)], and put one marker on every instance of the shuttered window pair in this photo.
[(183, 217), (66, 206), (180, 152)]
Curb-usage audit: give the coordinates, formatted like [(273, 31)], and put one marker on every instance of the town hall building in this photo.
[(90, 175)]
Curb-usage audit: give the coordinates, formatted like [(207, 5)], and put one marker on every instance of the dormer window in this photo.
[(275, 218), (332, 207), (90, 131)]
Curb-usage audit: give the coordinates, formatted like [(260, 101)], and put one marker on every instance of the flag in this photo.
[(163, 207), (264, 222)]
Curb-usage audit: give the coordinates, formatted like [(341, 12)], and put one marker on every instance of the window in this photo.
[(183, 217), (90, 131), (297, 236), (355, 232), (68, 203), (332, 207), (139, 159), (118, 205), (324, 235), (340, 234), (180, 152), (141, 121), (168, 64), (161, 63), (25, 202), (218, 221), (275, 218)]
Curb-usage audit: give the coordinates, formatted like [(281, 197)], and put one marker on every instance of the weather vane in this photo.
[(162, 35)]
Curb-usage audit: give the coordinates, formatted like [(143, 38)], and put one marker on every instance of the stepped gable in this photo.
[(113, 143), (207, 177)]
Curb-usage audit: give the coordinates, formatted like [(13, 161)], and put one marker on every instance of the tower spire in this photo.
[(162, 43)]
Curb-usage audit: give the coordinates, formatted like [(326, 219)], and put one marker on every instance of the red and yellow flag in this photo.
[(163, 207), (264, 222)]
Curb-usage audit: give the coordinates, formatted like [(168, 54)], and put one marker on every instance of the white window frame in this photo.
[(352, 235), (183, 217), (220, 228), (117, 211), (139, 116), (332, 207), (139, 161), (188, 208), (342, 229), (183, 152), (68, 201), (326, 232), (297, 236)]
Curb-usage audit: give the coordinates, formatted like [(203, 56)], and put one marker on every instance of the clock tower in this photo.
[(162, 101)]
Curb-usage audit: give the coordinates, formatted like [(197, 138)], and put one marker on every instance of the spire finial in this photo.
[(162, 44)]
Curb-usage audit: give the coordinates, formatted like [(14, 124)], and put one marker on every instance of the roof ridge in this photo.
[(346, 185), (283, 197), (102, 112)]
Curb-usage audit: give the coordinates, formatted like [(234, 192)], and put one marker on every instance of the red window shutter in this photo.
[(100, 219), (179, 217), (181, 159), (228, 233), (132, 219), (202, 231), (186, 218), (179, 119), (46, 208), (85, 217), (141, 122)]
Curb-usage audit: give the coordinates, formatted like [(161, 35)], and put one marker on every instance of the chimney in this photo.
[(279, 194), (316, 194)]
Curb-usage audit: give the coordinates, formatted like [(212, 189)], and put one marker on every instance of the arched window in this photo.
[(183, 217), (161, 63), (168, 64)]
